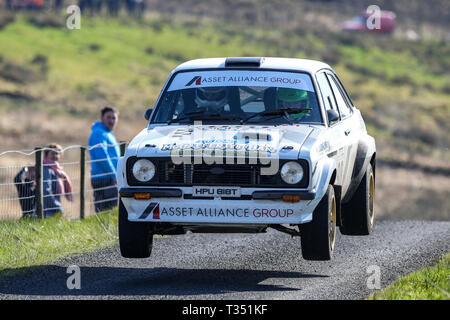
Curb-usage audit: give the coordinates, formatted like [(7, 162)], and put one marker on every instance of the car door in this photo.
[(336, 137), (349, 126)]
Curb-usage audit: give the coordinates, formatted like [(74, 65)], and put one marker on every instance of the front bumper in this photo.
[(177, 193), (264, 207)]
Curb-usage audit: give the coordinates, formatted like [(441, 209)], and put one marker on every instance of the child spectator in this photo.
[(55, 181)]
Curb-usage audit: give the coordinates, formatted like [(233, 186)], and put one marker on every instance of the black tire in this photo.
[(318, 236), (357, 215), (135, 238)]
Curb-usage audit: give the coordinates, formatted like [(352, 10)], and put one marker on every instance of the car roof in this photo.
[(305, 65)]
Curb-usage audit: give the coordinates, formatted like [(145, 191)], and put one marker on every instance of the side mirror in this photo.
[(333, 116), (148, 113)]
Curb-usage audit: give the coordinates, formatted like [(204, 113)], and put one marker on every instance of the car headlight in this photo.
[(291, 172), (144, 170)]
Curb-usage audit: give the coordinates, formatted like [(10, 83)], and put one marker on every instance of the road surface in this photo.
[(240, 266)]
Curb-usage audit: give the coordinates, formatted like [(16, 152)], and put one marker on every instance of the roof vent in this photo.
[(244, 62)]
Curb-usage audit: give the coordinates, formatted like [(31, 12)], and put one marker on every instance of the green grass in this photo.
[(26, 242), (431, 283)]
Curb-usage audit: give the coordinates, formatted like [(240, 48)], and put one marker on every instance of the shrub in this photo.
[(17, 73), (5, 19), (43, 20)]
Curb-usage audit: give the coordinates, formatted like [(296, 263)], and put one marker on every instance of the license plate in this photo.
[(206, 191)]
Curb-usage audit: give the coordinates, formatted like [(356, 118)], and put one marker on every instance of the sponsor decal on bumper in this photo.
[(212, 211)]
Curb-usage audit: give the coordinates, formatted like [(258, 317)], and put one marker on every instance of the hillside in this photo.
[(402, 87)]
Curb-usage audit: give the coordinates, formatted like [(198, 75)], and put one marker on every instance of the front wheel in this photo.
[(318, 236), (135, 238)]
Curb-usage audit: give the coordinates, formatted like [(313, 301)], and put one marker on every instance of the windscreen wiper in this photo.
[(281, 112)]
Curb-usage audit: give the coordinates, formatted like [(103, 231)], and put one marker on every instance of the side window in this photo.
[(325, 89), (344, 109), (344, 92)]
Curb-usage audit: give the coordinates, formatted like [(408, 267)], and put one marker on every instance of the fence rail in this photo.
[(30, 186)]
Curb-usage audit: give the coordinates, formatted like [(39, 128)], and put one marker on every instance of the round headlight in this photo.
[(144, 170), (291, 172)]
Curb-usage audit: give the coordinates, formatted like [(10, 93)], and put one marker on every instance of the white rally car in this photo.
[(246, 144)]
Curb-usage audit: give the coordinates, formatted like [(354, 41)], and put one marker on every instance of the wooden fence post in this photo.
[(39, 192)]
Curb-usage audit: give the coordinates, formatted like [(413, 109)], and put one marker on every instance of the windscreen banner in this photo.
[(229, 78)]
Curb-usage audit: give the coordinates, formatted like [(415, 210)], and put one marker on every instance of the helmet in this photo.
[(211, 97), (293, 95)]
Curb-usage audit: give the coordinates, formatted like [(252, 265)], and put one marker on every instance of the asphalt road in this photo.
[(240, 266)]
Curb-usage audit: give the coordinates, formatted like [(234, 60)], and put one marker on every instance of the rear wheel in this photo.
[(318, 236), (135, 238), (358, 215)]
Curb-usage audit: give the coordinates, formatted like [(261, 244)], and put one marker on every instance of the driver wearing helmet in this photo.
[(294, 99), (212, 98)]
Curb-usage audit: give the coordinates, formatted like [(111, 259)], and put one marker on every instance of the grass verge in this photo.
[(431, 283), (26, 243)]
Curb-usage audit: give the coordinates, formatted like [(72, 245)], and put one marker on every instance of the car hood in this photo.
[(159, 141)]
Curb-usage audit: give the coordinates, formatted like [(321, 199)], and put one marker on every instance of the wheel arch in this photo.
[(365, 155)]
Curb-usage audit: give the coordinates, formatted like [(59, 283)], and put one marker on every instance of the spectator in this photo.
[(138, 8), (96, 6), (55, 181), (104, 151), (130, 6), (82, 4), (25, 184), (113, 7), (85, 6), (58, 5)]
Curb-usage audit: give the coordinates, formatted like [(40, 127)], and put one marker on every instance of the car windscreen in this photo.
[(235, 95)]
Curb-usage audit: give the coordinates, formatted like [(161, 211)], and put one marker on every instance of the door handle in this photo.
[(347, 132)]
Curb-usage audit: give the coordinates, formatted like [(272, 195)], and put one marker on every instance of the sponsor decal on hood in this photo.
[(162, 140)]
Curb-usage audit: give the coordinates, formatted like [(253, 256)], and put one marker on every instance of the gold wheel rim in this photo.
[(332, 227), (371, 198)]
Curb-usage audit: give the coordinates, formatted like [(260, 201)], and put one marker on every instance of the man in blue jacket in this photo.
[(105, 152)]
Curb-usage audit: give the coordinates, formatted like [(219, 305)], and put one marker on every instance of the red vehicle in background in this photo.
[(26, 4), (366, 22)]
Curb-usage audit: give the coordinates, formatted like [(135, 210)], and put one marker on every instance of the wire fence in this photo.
[(78, 183)]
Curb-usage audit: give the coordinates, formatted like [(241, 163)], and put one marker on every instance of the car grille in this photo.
[(203, 174), (245, 175)]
